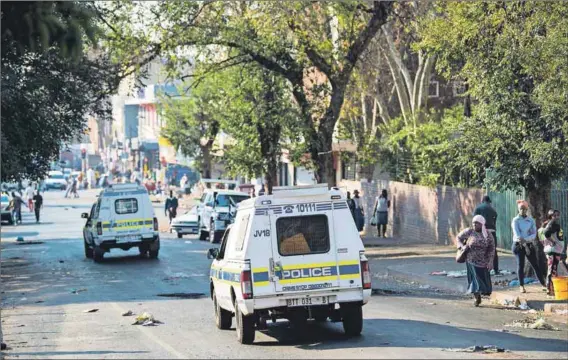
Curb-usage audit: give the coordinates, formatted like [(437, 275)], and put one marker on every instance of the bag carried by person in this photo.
[(374, 220), (461, 254)]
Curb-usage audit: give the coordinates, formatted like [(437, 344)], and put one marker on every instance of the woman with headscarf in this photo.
[(524, 246), (480, 248)]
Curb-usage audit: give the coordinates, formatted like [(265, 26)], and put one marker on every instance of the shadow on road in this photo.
[(61, 353), (402, 333)]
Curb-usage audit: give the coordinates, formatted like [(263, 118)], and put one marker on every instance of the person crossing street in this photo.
[(171, 206), (38, 200)]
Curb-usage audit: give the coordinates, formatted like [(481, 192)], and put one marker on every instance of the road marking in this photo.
[(150, 335)]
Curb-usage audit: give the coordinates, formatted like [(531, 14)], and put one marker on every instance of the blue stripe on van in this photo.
[(348, 269)]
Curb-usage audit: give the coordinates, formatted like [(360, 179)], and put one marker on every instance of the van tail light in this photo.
[(365, 274), (155, 224), (246, 284), (99, 228)]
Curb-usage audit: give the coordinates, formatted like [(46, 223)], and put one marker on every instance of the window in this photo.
[(126, 206), (226, 200), (224, 242), (302, 235), (243, 224), (348, 166), (97, 209)]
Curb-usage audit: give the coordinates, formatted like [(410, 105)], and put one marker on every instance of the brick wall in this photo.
[(419, 214)]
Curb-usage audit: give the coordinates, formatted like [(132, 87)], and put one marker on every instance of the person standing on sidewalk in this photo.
[(480, 248), (30, 197), (524, 235), (486, 210), (552, 239), (351, 205), (382, 205), (359, 214), (38, 200)]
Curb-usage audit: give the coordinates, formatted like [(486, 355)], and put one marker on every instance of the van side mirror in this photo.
[(210, 204), (85, 215), (212, 253)]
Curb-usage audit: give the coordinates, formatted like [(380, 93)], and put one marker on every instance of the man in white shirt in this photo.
[(29, 193), (91, 178)]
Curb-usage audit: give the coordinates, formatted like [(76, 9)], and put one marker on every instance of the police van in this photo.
[(122, 217), (295, 254)]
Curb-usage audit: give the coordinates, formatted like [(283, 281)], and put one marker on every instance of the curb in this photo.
[(435, 283), (551, 308)]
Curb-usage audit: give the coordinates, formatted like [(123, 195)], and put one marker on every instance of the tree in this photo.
[(512, 55), (295, 40), (192, 123)]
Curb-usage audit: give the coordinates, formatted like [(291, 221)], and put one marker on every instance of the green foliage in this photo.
[(513, 56), (425, 153), (37, 26), (45, 99)]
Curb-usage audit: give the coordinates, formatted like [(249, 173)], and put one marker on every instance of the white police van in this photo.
[(295, 254), (122, 217)]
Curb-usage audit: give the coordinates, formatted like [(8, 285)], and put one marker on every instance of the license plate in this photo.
[(129, 238), (191, 230), (307, 301)]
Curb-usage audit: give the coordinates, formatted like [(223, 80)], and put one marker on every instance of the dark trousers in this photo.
[(172, 214), (36, 210), (528, 251), (384, 231), (495, 256)]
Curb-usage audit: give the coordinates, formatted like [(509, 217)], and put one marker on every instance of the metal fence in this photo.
[(505, 203)]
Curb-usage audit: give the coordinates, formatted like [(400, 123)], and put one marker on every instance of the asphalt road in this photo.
[(48, 286)]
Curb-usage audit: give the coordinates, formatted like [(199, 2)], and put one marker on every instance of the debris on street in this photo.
[(146, 319), (488, 349), (425, 287), (184, 295), (527, 281), (128, 313), (439, 273), (77, 291), (535, 324), (561, 312), (457, 274), (61, 261), (189, 242), (91, 310)]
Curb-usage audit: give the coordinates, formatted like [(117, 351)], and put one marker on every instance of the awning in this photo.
[(149, 146)]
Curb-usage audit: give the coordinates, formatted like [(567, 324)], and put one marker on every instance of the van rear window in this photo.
[(302, 235), (126, 206)]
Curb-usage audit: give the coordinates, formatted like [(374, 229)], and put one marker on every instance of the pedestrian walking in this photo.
[(487, 210), (524, 246), (16, 207), (69, 188), (74, 187), (479, 246), (359, 213), (551, 237), (351, 205), (29, 192), (381, 212), (38, 200), (171, 206)]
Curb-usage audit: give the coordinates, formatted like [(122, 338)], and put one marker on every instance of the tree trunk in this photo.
[(538, 198), (206, 163)]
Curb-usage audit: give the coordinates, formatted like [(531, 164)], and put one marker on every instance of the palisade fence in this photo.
[(505, 202)]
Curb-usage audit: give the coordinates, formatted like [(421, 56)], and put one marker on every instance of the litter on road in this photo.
[(146, 319), (488, 349), (77, 291), (128, 313), (527, 281), (91, 310), (535, 324)]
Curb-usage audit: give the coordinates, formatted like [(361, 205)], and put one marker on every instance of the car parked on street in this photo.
[(123, 217), (216, 210), (186, 224), (55, 180), (6, 214)]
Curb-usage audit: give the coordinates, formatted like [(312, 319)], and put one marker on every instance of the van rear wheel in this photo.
[(245, 326), (88, 250), (352, 316), (98, 254)]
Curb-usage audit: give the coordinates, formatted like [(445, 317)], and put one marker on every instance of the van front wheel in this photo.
[(352, 316), (245, 326)]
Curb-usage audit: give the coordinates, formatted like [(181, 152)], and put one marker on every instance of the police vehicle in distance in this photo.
[(122, 217), (295, 254)]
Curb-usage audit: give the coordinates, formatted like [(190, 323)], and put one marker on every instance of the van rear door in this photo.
[(304, 255), (128, 216)]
